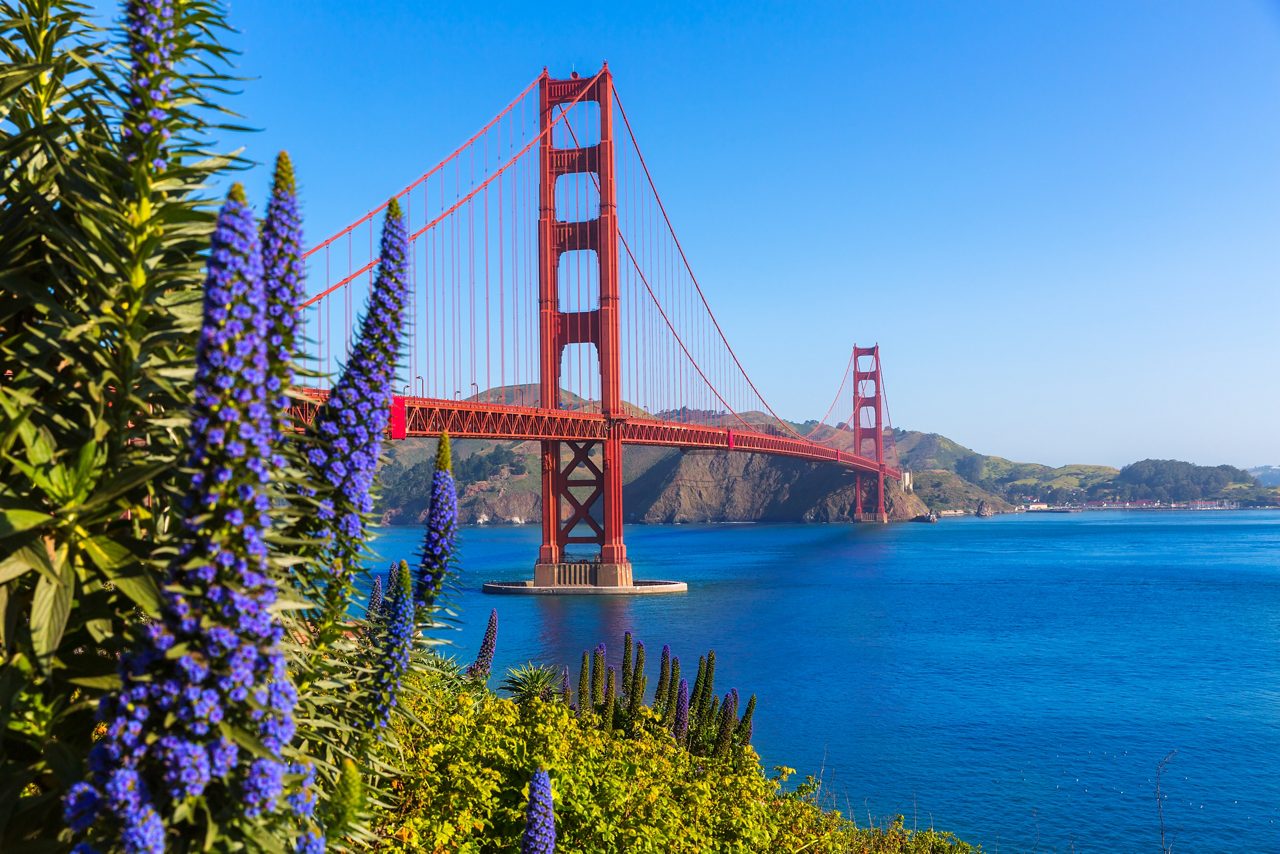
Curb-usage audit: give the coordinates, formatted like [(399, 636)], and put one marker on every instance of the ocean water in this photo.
[(1015, 680)]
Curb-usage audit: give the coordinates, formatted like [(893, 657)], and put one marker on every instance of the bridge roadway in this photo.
[(413, 417)]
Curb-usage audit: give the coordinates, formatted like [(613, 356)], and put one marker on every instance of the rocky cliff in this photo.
[(712, 486), (660, 486)]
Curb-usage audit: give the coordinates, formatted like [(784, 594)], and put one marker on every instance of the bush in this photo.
[(469, 754)]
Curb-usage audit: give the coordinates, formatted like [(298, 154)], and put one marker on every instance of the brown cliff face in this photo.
[(666, 486), (704, 486)]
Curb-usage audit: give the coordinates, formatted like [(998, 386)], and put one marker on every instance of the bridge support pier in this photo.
[(859, 513)]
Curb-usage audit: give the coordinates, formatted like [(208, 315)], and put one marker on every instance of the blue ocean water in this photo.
[(1014, 680)]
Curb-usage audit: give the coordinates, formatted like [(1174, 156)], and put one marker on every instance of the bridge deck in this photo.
[(461, 419)]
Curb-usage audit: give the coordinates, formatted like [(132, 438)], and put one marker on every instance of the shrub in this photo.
[(467, 759)]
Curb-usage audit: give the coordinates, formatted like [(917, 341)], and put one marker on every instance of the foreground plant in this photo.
[(440, 542), (527, 682), (396, 647), (540, 821), (348, 432), (103, 228), (210, 671), (612, 791)]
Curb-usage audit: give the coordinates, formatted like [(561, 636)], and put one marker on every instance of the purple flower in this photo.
[(682, 712), (311, 842), (284, 279), (150, 35), (442, 529), (303, 801), (143, 832), (374, 611), (397, 644), (365, 387), (540, 818), (481, 667), (163, 740), (262, 786), (80, 807)]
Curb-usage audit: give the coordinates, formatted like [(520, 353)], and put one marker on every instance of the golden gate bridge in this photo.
[(551, 300)]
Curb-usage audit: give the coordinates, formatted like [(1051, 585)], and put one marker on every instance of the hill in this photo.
[(1266, 475), (499, 482), (978, 478), (1002, 483)]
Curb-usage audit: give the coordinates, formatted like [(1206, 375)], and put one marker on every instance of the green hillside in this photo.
[(976, 478), (499, 481)]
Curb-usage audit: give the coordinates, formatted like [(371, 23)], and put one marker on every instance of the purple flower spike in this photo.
[(162, 744), (442, 528), (682, 712), (397, 644), (375, 601), (150, 34), (540, 817), (351, 423), (481, 667), (284, 275)]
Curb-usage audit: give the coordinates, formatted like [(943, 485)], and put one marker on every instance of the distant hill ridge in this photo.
[(1266, 475), (949, 476), (499, 482)]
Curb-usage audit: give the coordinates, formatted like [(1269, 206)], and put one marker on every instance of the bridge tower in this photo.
[(868, 423), (581, 480)]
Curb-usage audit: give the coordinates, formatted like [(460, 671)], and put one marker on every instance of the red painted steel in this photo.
[(564, 509), (426, 417), (868, 421), (679, 362)]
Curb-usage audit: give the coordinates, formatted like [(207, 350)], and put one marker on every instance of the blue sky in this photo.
[(1060, 220)]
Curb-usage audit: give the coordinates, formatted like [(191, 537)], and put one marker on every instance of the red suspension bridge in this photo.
[(551, 300)]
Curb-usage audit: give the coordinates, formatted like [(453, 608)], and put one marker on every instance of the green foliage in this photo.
[(444, 457), (100, 272), (608, 707), (467, 760), (728, 725), (1173, 480), (949, 476), (531, 681), (597, 677), (346, 803), (673, 686), (627, 644)]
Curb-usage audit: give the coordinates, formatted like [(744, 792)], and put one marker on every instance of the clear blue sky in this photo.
[(1060, 220)]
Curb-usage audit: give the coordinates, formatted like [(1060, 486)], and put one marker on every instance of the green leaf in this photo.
[(15, 520), (107, 554), (49, 611), (23, 560), (122, 483), (141, 587)]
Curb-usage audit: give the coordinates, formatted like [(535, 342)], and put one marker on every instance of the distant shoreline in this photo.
[(946, 514)]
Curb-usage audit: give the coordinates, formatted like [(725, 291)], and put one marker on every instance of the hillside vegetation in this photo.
[(1266, 475), (677, 774), (500, 482), (949, 476)]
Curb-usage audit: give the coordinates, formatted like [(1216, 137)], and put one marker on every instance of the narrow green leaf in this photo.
[(107, 554), (32, 556), (49, 611), (141, 587), (15, 520)]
